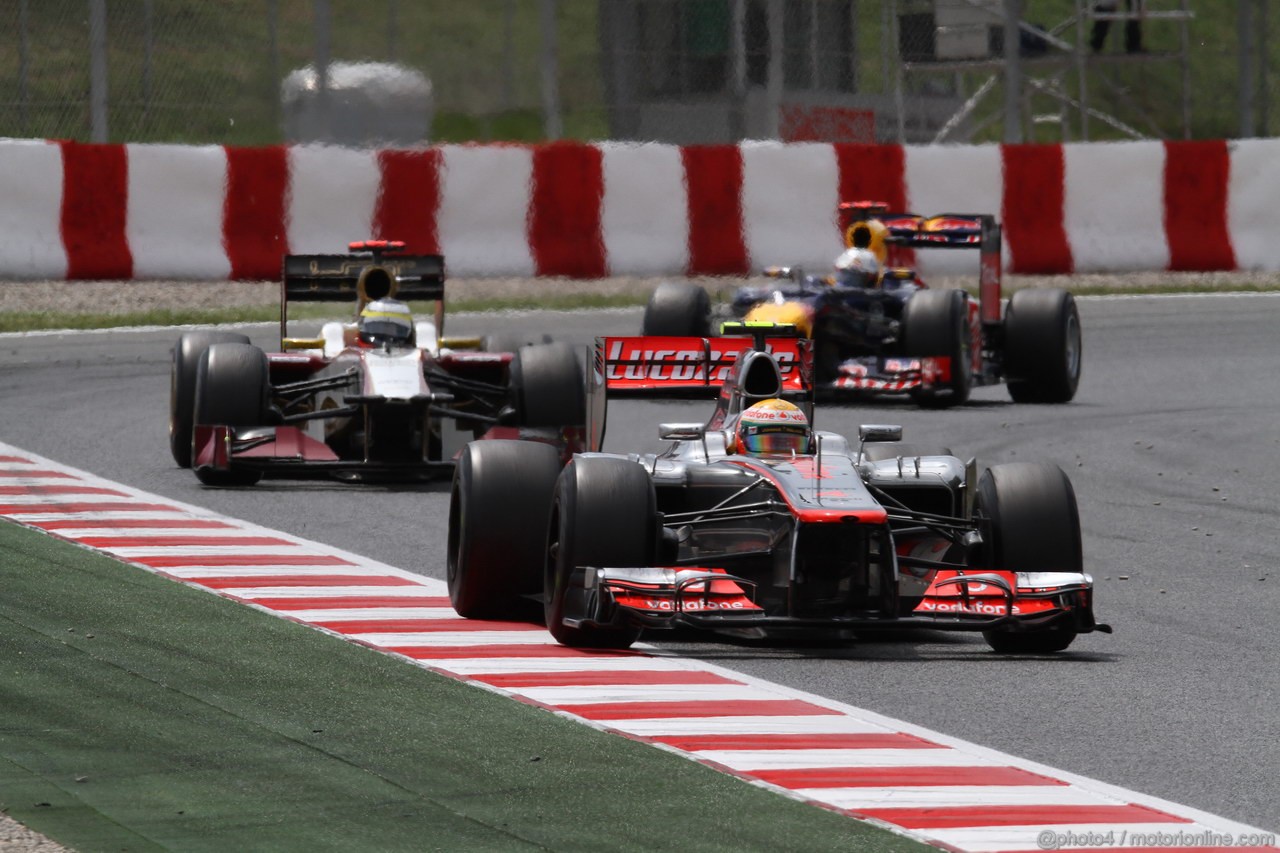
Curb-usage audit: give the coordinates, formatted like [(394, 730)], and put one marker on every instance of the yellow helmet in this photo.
[(772, 427)]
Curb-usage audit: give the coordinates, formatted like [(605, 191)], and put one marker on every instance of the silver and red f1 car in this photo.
[(894, 335), (358, 406), (842, 538)]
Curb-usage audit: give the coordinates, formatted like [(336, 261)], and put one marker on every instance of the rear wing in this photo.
[(978, 231), (691, 367), (370, 272)]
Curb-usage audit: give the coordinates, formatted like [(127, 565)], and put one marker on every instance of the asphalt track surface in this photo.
[(1172, 444)]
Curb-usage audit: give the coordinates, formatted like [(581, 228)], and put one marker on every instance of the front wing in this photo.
[(710, 599), (288, 452)]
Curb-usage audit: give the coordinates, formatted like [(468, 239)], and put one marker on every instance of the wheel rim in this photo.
[(1073, 345)]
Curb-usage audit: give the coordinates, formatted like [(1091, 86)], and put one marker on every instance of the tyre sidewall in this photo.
[(1043, 346), (1035, 527), (232, 389), (548, 386), (936, 324), (499, 508), (1035, 522), (603, 514), (182, 387)]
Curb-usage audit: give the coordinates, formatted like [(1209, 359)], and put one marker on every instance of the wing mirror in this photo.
[(880, 432), (681, 432)]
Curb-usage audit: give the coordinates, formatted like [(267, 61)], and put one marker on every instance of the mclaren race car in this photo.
[(752, 524), (385, 396), (878, 329)]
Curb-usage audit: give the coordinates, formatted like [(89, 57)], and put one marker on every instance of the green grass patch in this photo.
[(19, 321), (27, 321), (142, 714)]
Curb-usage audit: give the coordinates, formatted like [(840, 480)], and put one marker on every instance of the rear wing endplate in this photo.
[(978, 231)]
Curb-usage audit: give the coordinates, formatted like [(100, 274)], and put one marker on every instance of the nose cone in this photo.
[(797, 314)]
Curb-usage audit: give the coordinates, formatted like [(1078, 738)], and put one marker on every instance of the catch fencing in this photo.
[(675, 71)]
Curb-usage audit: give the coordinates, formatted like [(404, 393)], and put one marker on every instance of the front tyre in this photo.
[(1043, 346), (935, 323), (182, 387), (232, 389), (604, 515), (1035, 527), (498, 513)]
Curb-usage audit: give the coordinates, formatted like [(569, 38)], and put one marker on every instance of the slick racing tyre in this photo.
[(935, 323), (604, 514), (1043, 346), (548, 386), (1035, 527), (678, 308), (498, 514), (231, 390), (182, 387)]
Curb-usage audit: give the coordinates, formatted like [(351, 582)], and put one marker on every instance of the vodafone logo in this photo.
[(979, 608), (694, 605)]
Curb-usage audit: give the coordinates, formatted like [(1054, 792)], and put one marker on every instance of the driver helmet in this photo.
[(857, 268), (772, 427), (385, 322)]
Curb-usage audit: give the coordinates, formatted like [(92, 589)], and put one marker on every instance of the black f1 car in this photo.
[(894, 335), (836, 537), (360, 405)]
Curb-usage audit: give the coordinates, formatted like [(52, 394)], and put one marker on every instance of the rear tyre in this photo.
[(1043, 346), (604, 514), (548, 387), (1035, 527), (231, 390), (498, 514), (935, 323), (182, 387), (678, 308)]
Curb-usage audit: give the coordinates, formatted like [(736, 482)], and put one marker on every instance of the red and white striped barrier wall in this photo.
[(80, 211), (947, 792)]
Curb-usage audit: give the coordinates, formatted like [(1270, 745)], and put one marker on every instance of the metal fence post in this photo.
[(148, 59), (738, 69), (1264, 63), (24, 65), (323, 24), (98, 70), (1012, 72), (552, 124), (1247, 37), (774, 85)]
